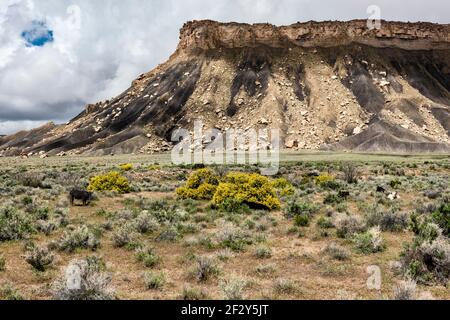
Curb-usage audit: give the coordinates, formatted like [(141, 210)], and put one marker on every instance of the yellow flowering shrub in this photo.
[(327, 181), (201, 185), (324, 179), (126, 167), (253, 189), (283, 187), (112, 181)]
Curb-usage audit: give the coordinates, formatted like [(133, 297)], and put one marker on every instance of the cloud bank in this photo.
[(58, 55)]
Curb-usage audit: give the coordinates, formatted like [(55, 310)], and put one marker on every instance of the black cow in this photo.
[(381, 189), (344, 194), (84, 196)]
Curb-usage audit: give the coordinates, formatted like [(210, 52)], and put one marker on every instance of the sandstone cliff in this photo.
[(210, 35)]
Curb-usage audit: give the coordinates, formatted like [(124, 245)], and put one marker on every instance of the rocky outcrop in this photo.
[(211, 35)]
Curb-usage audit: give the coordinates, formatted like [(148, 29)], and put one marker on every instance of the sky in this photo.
[(58, 55)]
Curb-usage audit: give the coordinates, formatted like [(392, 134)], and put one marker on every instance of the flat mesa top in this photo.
[(207, 34)]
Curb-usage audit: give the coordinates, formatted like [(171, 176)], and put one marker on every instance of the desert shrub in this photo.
[(2, 263), (165, 212), (170, 234), (250, 224), (146, 223), (347, 226), (370, 241), (283, 187), (301, 220), (233, 289), (442, 217), (333, 199), (41, 213), (190, 293), (84, 280), (225, 254), (254, 190), (14, 224), (125, 215), (266, 269), (186, 228), (394, 221), (126, 167), (350, 173), (388, 221), (325, 223), (261, 227), (327, 181), (27, 200), (31, 179), (124, 236), (424, 230), (336, 252), (60, 217), (231, 205), (284, 286), (427, 258), (8, 292), (154, 167), (154, 281), (432, 194), (148, 257), (46, 227), (295, 208), (394, 184), (406, 290), (263, 252), (436, 256), (205, 268), (78, 238), (233, 237), (40, 258), (112, 181), (201, 185)]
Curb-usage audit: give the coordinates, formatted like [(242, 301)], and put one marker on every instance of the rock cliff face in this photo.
[(210, 35), (325, 85)]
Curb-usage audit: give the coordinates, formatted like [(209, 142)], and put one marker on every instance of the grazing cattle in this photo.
[(393, 196), (381, 189), (344, 194), (84, 196)]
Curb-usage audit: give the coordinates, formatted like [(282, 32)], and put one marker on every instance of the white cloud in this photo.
[(11, 127), (100, 46)]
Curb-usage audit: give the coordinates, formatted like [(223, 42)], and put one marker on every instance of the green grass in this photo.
[(165, 159)]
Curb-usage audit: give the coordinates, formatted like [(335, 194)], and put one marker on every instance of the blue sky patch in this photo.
[(37, 35)]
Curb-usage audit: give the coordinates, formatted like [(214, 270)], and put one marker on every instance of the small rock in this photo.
[(264, 121)]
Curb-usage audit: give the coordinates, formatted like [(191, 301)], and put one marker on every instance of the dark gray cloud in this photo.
[(99, 47)]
